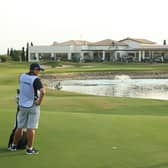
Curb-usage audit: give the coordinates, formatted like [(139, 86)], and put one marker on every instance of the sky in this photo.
[(46, 21)]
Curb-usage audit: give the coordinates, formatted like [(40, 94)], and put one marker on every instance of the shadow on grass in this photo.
[(161, 165), (4, 152)]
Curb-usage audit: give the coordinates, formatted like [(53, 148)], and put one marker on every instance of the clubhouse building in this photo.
[(126, 50)]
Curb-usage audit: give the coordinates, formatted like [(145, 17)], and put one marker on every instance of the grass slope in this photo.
[(82, 131)]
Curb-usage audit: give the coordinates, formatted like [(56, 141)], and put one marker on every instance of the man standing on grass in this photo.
[(30, 98)]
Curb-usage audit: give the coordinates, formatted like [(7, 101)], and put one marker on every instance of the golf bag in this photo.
[(23, 141)]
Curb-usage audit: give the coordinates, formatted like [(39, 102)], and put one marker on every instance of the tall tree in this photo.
[(164, 42), (23, 54), (27, 51), (11, 52), (8, 52), (17, 55)]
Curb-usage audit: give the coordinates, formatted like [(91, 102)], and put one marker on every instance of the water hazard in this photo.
[(121, 86)]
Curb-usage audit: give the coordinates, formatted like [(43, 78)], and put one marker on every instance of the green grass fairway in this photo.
[(88, 67), (103, 67), (83, 131)]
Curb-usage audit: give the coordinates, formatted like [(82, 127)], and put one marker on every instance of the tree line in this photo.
[(16, 55)]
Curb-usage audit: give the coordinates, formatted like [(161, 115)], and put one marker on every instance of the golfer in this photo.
[(30, 98)]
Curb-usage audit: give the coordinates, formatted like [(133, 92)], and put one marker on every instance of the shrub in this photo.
[(3, 58)]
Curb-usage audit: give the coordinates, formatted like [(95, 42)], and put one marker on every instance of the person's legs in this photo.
[(18, 135), (30, 141), (30, 137), (33, 121), (21, 123), (16, 138)]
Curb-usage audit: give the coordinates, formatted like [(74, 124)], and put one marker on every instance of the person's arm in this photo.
[(40, 99), (38, 86)]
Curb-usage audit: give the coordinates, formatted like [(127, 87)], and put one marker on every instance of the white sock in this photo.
[(13, 145), (30, 148)]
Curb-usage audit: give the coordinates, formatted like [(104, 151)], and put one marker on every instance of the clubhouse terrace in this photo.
[(126, 50)]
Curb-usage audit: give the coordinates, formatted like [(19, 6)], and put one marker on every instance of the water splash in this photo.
[(122, 77)]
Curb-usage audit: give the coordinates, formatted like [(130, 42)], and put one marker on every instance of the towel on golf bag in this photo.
[(23, 141)]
